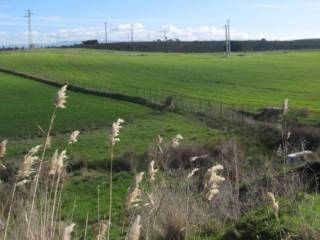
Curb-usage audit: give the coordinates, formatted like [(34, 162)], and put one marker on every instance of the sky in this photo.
[(75, 20)]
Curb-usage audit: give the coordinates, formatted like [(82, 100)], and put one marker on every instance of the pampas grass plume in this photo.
[(25, 169), (212, 181), (176, 141), (100, 229), (57, 159), (134, 196), (74, 137), (3, 148), (68, 231), (61, 98), (152, 171)]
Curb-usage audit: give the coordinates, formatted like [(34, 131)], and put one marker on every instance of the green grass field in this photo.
[(25, 103), (253, 79), (29, 105)]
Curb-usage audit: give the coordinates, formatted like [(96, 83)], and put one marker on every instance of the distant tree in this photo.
[(90, 42)]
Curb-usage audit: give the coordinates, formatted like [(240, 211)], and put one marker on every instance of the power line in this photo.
[(29, 13)]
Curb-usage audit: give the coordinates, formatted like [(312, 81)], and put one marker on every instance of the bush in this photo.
[(269, 136), (260, 224)]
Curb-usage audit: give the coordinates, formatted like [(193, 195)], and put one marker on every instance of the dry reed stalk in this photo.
[(134, 233), (284, 133), (134, 196), (39, 170), (59, 102), (159, 144), (86, 227), (9, 213), (98, 203), (275, 205), (113, 139)]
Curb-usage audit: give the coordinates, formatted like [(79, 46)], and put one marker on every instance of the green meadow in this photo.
[(249, 79)]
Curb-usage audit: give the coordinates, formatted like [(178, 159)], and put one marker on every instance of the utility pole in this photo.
[(227, 45), (106, 33), (29, 13), (165, 35), (229, 40), (131, 33), (132, 45)]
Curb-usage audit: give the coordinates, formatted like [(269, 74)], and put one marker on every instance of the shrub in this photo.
[(269, 135)]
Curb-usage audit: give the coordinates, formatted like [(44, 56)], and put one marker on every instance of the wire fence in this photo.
[(163, 98)]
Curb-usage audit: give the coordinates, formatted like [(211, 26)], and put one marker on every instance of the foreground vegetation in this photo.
[(178, 197)]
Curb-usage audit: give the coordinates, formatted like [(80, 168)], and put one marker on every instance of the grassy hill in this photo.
[(254, 80)]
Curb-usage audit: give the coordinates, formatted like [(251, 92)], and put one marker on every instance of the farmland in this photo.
[(252, 80)]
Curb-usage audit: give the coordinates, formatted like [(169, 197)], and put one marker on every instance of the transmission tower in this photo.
[(131, 33), (228, 40), (106, 33), (29, 14)]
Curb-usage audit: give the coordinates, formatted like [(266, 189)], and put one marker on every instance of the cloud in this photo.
[(122, 32), (271, 5), (74, 34)]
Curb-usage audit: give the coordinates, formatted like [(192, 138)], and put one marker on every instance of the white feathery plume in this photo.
[(286, 106), (68, 231), (176, 141), (275, 205), (74, 137), (152, 171), (23, 182), (288, 135), (61, 98), (190, 175), (134, 233), (134, 196), (114, 136), (3, 148), (212, 181), (100, 229), (57, 160), (25, 169), (195, 158)]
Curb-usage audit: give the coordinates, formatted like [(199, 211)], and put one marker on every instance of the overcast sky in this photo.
[(69, 20)]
